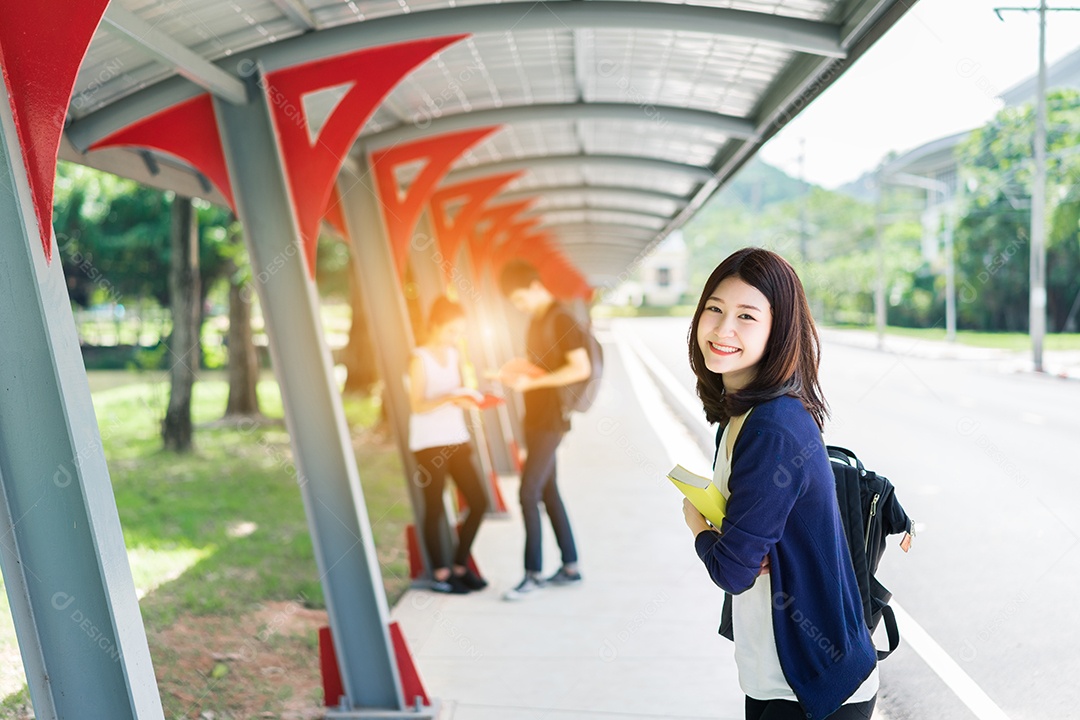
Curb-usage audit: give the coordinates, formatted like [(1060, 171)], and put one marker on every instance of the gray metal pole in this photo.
[(1038, 207), (325, 463), (65, 566), (388, 320)]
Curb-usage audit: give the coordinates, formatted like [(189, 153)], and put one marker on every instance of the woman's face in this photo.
[(733, 331), (451, 332)]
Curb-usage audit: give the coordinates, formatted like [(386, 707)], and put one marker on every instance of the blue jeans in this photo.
[(538, 483)]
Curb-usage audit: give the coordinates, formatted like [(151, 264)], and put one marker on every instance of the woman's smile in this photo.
[(721, 349)]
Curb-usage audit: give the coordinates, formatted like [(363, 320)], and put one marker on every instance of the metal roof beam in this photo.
[(806, 36), (163, 48), (634, 219), (629, 193), (296, 11), (573, 162), (635, 232), (658, 115)]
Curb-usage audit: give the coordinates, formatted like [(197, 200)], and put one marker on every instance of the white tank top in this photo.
[(445, 425), (760, 675)]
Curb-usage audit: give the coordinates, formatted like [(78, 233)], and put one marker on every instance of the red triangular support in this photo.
[(497, 219), (311, 166), (473, 196), (401, 210), (42, 45), (189, 131), (335, 214)]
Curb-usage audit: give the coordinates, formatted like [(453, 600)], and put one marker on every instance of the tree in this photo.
[(243, 359), (184, 349), (992, 243), (112, 235)]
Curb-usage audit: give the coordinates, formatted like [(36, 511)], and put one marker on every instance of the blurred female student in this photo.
[(439, 438), (792, 606)]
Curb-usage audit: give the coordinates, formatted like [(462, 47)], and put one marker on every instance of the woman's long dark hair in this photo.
[(789, 365)]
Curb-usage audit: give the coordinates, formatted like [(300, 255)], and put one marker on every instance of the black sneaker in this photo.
[(451, 586), (471, 580), (563, 578)]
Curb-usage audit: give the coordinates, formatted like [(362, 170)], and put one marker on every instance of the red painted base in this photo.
[(331, 676), (496, 493), (515, 453), (412, 686), (416, 558)]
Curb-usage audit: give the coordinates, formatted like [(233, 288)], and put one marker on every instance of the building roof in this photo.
[(1065, 73)]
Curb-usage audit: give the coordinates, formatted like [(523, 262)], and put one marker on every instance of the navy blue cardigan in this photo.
[(783, 504)]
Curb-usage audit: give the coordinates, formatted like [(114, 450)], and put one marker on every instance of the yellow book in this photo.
[(702, 492)]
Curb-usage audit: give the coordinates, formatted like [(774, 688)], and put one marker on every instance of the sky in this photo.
[(938, 71)]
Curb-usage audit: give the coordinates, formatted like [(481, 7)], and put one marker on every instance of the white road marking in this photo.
[(634, 355), (946, 668)]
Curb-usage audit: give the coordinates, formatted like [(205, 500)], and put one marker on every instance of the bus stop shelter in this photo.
[(439, 138)]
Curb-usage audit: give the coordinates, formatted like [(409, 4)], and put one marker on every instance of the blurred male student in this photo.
[(557, 356)]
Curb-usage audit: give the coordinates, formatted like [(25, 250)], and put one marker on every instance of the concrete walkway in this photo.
[(638, 638)]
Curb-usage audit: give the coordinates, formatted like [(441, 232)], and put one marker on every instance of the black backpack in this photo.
[(870, 513), (580, 396)]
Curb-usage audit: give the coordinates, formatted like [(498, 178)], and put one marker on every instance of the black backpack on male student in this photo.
[(579, 396), (870, 513)]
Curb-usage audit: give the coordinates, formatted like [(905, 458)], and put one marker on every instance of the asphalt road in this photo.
[(986, 462)]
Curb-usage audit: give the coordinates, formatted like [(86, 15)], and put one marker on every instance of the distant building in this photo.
[(664, 274), (1065, 73), (660, 279)]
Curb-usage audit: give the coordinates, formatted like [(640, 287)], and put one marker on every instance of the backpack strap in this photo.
[(840, 453), (889, 618)]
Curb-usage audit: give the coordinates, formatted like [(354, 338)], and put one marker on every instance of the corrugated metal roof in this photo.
[(761, 65)]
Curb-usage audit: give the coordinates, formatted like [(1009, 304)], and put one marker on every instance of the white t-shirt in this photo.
[(445, 425), (760, 675)]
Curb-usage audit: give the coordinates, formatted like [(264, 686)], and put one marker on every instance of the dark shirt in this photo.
[(549, 339)]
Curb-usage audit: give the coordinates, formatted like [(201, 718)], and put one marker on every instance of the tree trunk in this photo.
[(243, 362), (184, 351), (359, 355)]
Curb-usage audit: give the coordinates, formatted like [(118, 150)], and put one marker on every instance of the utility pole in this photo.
[(1037, 321)]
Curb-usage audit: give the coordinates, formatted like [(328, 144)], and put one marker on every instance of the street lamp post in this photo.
[(948, 200)]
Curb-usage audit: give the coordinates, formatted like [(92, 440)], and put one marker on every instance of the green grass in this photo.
[(1001, 341), (222, 530)]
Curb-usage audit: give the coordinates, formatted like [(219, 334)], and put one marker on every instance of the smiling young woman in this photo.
[(792, 602)]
